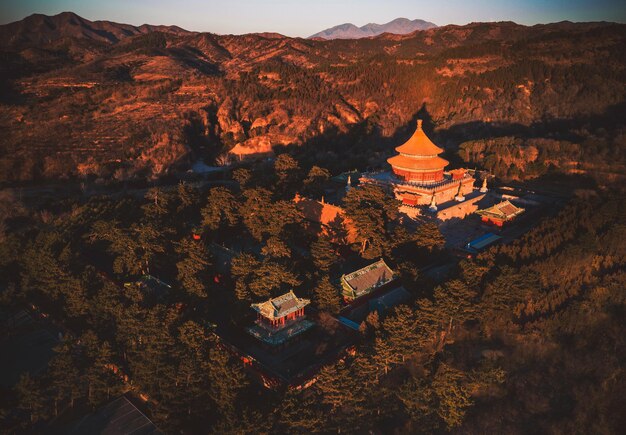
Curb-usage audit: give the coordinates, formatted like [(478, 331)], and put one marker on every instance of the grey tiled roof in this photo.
[(368, 278), (280, 306), (119, 417)]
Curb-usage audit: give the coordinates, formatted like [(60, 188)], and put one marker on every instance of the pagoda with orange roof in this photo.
[(418, 175), (418, 159)]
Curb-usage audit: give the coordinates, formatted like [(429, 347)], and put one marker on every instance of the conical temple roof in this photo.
[(419, 144)]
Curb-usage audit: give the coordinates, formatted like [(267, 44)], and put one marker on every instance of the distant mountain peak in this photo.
[(399, 26)]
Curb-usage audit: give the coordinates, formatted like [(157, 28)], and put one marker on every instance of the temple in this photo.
[(280, 319), (364, 281), (417, 175), (328, 219), (500, 213)]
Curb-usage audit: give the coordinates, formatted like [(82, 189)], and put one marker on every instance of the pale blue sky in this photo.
[(303, 18)]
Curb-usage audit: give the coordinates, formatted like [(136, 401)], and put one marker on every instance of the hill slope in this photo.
[(144, 104)]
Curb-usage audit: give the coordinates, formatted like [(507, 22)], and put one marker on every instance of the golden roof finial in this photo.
[(419, 124)]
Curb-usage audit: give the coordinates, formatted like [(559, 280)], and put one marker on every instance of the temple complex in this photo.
[(364, 281), (417, 175), (500, 213), (280, 319)]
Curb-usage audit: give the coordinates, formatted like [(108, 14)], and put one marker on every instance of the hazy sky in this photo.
[(303, 18)]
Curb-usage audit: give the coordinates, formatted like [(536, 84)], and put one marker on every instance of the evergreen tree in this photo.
[(420, 403), (451, 387), (242, 176), (299, 412), (372, 212), (103, 383), (323, 252), (327, 296), (456, 303), (276, 248), (428, 238), (67, 376), (221, 210), (226, 382), (192, 268), (315, 181), (31, 398), (287, 174), (159, 201)]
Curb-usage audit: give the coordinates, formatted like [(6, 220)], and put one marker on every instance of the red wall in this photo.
[(495, 221), (419, 176)]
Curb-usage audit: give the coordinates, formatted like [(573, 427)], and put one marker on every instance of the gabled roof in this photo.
[(117, 417), (364, 280), (280, 306), (327, 215), (419, 144), (503, 210)]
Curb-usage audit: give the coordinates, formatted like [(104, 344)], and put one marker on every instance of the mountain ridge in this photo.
[(398, 26), (41, 29)]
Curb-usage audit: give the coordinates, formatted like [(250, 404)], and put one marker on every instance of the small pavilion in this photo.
[(280, 319)]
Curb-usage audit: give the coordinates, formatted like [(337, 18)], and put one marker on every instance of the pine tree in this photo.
[(429, 238), (287, 174), (299, 412), (158, 203), (226, 382), (276, 248), (451, 387), (187, 198), (315, 181), (323, 252), (103, 383), (192, 267), (372, 212), (242, 176), (67, 376), (327, 296), (221, 210), (420, 402), (31, 398), (455, 302)]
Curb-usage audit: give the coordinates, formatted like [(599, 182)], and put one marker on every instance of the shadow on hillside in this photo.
[(364, 147)]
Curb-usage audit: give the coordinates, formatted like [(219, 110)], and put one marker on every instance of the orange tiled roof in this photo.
[(404, 162), (503, 210), (419, 144), (327, 215)]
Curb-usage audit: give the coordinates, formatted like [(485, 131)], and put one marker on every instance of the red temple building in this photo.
[(280, 319), (500, 213), (418, 175)]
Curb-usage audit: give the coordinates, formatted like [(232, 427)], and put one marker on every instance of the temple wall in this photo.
[(442, 194), (460, 210), (418, 176)]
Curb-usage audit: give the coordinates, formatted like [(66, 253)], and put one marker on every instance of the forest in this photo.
[(526, 337), (101, 132)]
